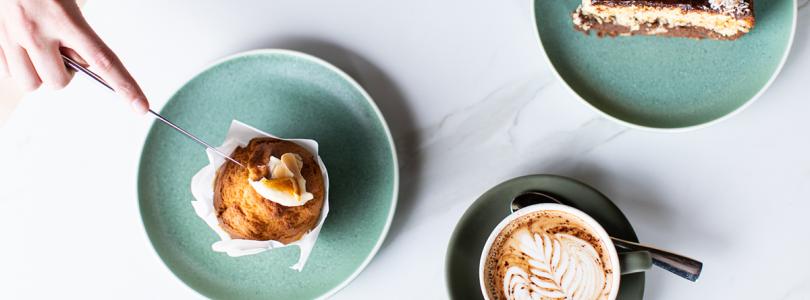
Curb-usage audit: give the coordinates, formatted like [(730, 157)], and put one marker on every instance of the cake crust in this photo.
[(244, 214), (614, 30)]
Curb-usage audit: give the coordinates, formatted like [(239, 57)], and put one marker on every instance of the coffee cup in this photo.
[(554, 251)]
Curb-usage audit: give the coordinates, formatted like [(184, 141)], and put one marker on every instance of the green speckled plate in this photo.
[(291, 95), (666, 83), (470, 235)]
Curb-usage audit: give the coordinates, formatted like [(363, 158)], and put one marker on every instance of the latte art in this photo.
[(548, 255), (561, 266)]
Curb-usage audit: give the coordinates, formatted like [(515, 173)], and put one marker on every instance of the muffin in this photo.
[(278, 195)]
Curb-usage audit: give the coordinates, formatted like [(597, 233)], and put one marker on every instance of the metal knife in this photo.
[(79, 68)]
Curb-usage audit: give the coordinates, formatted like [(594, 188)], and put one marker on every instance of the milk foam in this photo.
[(559, 266), (549, 255)]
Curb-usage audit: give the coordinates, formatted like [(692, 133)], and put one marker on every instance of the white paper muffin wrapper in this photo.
[(202, 187)]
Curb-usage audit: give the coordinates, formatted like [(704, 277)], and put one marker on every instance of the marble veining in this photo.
[(482, 106)]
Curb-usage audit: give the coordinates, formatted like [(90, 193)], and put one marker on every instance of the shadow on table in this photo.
[(393, 105), (800, 37)]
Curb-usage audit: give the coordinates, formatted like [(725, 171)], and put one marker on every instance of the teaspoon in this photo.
[(677, 264)]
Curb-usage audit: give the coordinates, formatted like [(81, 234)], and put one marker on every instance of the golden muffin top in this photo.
[(245, 214)]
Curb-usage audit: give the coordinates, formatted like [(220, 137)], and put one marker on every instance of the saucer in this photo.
[(663, 83), (472, 230), (291, 95)]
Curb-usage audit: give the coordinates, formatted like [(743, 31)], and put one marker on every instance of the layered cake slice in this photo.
[(714, 19)]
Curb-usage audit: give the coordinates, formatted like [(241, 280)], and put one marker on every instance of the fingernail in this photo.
[(140, 106)]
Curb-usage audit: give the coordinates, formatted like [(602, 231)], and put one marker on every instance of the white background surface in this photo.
[(471, 102)]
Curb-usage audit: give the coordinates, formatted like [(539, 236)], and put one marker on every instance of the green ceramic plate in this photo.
[(467, 242), (666, 83), (291, 95)]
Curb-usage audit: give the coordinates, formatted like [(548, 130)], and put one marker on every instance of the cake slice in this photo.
[(713, 19)]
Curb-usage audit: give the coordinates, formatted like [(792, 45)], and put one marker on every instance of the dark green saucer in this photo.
[(467, 242)]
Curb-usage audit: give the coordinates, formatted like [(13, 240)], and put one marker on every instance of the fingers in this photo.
[(17, 63), (3, 65), (73, 55), (106, 64), (30, 56), (49, 65), (21, 68), (33, 33)]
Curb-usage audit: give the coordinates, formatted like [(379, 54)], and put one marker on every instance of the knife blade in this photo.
[(70, 63)]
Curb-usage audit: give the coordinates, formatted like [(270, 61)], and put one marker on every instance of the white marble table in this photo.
[(471, 102)]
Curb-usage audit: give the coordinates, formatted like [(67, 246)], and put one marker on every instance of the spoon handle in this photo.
[(677, 264)]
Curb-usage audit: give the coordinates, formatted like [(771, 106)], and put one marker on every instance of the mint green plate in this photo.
[(470, 235), (291, 95), (666, 83)]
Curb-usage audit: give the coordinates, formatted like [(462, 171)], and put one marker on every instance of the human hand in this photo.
[(33, 34)]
